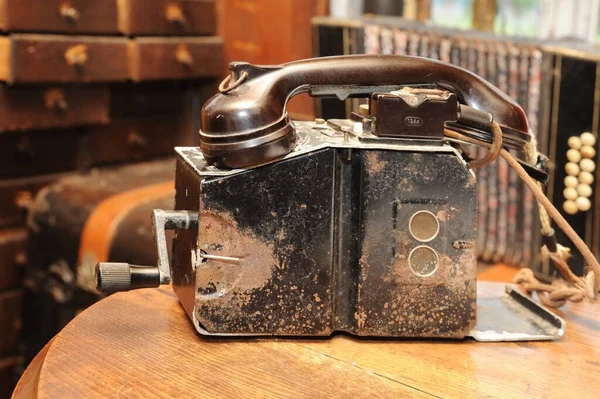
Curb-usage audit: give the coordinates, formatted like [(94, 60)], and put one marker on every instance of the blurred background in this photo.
[(94, 95)]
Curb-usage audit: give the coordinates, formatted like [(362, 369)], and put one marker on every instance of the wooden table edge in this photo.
[(27, 387), (33, 379)]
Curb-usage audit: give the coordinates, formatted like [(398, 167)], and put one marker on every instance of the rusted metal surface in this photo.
[(282, 233), (392, 300), (324, 242), (187, 196)]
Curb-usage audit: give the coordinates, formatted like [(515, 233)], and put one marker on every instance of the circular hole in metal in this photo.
[(424, 226), (423, 261)]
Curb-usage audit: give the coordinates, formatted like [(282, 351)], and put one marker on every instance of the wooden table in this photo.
[(141, 344)]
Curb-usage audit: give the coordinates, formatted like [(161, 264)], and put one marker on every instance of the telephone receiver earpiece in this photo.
[(246, 124)]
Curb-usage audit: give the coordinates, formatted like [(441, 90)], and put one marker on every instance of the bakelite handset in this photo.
[(247, 124)]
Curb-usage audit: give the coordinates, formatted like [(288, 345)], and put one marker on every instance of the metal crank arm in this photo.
[(114, 276)]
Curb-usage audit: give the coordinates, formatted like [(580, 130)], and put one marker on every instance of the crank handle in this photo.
[(114, 276)]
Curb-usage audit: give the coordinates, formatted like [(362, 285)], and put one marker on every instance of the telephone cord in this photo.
[(560, 291)]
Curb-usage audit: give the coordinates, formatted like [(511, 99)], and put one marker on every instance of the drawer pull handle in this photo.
[(69, 13), (76, 56), (21, 256), (54, 99), (24, 200), (184, 56), (174, 14), (24, 148), (136, 140)]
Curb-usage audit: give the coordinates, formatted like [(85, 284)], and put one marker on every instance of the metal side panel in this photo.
[(515, 317)]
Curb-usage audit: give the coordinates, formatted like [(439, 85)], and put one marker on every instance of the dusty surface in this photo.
[(221, 235), (253, 295)]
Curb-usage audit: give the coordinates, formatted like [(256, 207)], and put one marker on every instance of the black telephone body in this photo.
[(365, 225)]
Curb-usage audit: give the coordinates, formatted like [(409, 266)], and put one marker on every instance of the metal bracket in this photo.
[(113, 277), (515, 317), (169, 220)]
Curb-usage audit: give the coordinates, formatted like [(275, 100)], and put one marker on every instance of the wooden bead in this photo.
[(574, 155), (570, 193), (574, 142), (363, 110), (586, 152), (587, 165), (588, 138), (583, 204), (571, 181), (572, 169), (586, 178), (583, 190), (570, 207)]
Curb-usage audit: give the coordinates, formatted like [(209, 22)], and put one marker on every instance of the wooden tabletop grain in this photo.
[(141, 344)]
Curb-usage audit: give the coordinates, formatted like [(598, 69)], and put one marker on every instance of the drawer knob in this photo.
[(136, 140), (54, 99), (21, 257), (24, 148), (174, 14), (24, 199), (184, 56), (76, 56), (69, 13)]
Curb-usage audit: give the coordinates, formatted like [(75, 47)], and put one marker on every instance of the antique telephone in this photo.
[(366, 225)]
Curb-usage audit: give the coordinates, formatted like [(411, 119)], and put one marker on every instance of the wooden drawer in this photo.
[(152, 98), (167, 17), (64, 59), (17, 194), (161, 98), (175, 58), (128, 140), (73, 16), (32, 153), (27, 108), (10, 320), (12, 257)]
